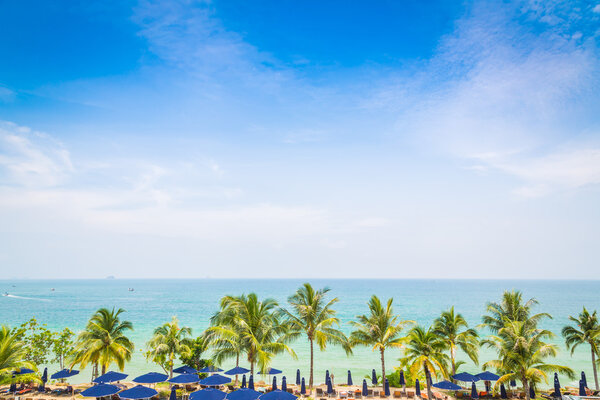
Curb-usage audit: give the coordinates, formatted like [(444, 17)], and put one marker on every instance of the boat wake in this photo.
[(24, 298)]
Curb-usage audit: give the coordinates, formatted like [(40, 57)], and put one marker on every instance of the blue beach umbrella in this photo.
[(64, 373), (531, 392), (210, 369), (237, 371), (274, 386), (284, 384), (503, 392), (365, 389), (208, 394), (373, 378), (417, 388), (243, 394), (185, 370), (151, 377), (184, 378), (487, 376), (474, 394), (350, 378), (23, 371), (173, 395), (581, 388), (465, 377), (273, 371), (251, 382), (329, 387), (297, 377), (244, 382), (326, 376), (110, 376), (100, 390), (387, 387), (583, 379), (215, 380), (402, 380), (278, 395), (446, 385), (138, 392), (303, 387), (556, 386)]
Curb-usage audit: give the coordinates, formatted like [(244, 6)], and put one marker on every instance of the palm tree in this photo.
[(226, 338), (261, 333), (12, 354), (588, 332), (511, 308), (455, 332), (312, 314), (521, 348), (425, 349), (380, 329), (103, 341), (168, 341)]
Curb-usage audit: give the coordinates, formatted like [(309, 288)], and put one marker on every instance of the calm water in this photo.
[(193, 301)]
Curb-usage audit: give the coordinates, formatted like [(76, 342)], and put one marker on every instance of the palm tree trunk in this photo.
[(453, 357), (310, 380), (382, 350), (526, 388), (237, 364), (170, 370), (429, 394), (595, 368)]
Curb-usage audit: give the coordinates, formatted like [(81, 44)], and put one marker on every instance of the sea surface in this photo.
[(154, 302)]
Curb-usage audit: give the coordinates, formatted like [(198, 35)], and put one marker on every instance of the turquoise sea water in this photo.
[(193, 301)]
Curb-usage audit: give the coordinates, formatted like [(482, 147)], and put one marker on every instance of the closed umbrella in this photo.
[(100, 390), (243, 381), (41, 388), (373, 378), (365, 390), (326, 376), (173, 395), (284, 384), (474, 394), (243, 394), (303, 387), (513, 382), (531, 392), (185, 370), (583, 379), (503, 392), (446, 385), (387, 387), (581, 388), (215, 380), (208, 394), (349, 378), (151, 377), (110, 376), (278, 395), (556, 386), (402, 380), (274, 386), (329, 387), (138, 392), (417, 388), (297, 377), (251, 382)]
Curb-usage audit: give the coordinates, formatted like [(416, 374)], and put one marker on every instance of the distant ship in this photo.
[(131, 289), (52, 290), (5, 294)]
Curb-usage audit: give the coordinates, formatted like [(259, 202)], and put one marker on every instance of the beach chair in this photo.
[(370, 393), (319, 392), (358, 394), (382, 395), (375, 393), (290, 390), (397, 394), (410, 394)]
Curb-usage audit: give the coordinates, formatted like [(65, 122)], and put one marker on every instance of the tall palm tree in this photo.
[(313, 315), (12, 354), (522, 348), (103, 341), (225, 337), (455, 332), (380, 329), (168, 341), (426, 349), (512, 308), (261, 332), (587, 330)]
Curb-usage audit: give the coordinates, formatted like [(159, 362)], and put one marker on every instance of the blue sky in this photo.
[(300, 139)]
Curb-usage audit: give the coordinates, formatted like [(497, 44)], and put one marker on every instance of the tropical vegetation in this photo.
[(585, 331), (452, 328), (13, 354), (169, 341)]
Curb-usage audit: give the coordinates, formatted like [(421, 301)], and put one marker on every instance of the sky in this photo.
[(381, 139)]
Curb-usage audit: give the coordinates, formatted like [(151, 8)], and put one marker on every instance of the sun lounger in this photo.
[(370, 393), (319, 392), (382, 394), (397, 394), (410, 394)]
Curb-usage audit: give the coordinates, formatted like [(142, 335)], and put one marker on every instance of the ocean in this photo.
[(194, 301)]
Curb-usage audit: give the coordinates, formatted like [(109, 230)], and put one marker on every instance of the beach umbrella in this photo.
[(387, 387), (583, 379), (446, 385), (23, 371), (581, 388), (556, 386), (151, 377), (417, 388), (373, 378), (513, 382), (474, 394), (244, 382), (243, 394), (64, 373), (531, 392), (173, 395), (487, 376), (208, 394), (284, 384), (237, 371), (185, 370), (297, 377), (329, 387), (138, 392), (13, 387), (465, 377), (326, 376), (365, 390), (100, 390), (272, 371), (110, 376), (184, 378), (274, 386), (215, 380), (350, 378), (402, 380), (503, 392), (45, 375), (251, 382), (303, 387), (278, 395), (210, 369)]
